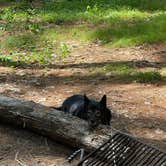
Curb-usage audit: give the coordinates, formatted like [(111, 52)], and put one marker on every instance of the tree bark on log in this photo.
[(59, 126)]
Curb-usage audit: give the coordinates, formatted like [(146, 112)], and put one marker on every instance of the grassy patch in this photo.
[(119, 69), (23, 41), (146, 77), (2, 1), (105, 4), (21, 59), (130, 73), (65, 12), (52, 26), (1, 32), (117, 15), (9, 62), (148, 31), (57, 35)]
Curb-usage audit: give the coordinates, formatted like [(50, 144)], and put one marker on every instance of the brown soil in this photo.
[(139, 109)]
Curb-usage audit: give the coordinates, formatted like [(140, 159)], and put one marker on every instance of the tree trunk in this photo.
[(57, 125)]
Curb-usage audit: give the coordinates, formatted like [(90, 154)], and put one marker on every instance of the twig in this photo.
[(18, 161)]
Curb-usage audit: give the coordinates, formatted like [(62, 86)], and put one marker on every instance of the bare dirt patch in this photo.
[(139, 109)]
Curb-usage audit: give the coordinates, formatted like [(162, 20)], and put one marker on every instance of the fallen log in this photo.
[(57, 125)]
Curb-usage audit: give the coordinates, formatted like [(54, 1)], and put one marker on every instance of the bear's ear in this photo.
[(103, 103), (86, 100)]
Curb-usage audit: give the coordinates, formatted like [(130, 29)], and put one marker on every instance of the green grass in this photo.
[(119, 69), (49, 28), (106, 4), (130, 73), (124, 23), (146, 77), (23, 41), (147, 31), (20, 59), (2, 1), (66, 12), (1, 32)]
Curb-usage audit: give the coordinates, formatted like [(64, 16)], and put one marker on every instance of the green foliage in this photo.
[(119, 69), (130, 73), (139, 4), (105, 4), (147, 31), (41, 59), (39, 31), (64, 50), (146, 77), (7, 15), (48, 17), (22, 59), (2, 1), (5, 59), (23, 5), (25, 41), (35, 28)]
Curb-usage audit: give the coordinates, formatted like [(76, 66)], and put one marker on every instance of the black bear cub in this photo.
[(94, 112)]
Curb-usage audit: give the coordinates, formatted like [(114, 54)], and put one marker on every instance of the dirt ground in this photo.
[(139, 109)]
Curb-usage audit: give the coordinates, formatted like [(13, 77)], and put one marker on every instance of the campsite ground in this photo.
[(137, 101), (138, 108)]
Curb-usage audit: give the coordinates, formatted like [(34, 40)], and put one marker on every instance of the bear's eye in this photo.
[(89, 112), (97, 113)]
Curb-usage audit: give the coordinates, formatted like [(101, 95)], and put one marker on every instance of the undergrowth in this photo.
[(48, 28)]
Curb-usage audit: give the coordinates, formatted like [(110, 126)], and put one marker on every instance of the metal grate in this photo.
[(124, 150)]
